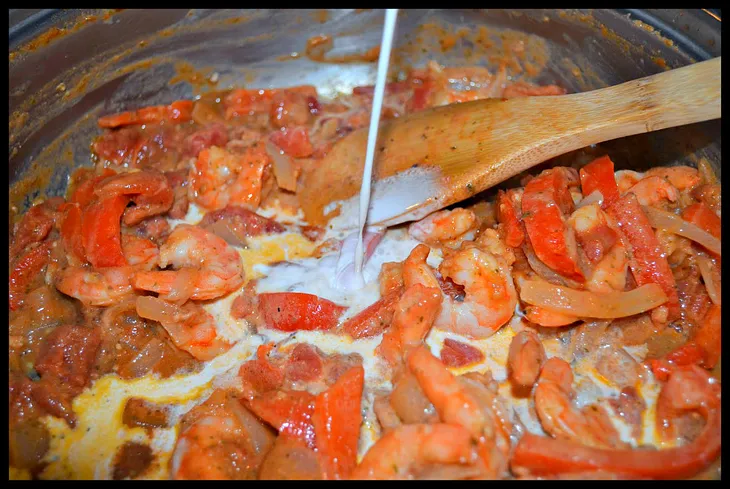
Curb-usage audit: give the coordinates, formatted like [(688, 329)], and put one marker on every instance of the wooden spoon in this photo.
[(431, 159)]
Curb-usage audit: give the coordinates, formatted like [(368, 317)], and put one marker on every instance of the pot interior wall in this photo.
[(106, 61)]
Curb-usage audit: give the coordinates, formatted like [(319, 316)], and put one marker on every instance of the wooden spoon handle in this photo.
[(499, 141), (469, 147), (673, 98)]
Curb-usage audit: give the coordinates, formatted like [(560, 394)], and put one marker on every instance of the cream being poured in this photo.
[(379, 92)]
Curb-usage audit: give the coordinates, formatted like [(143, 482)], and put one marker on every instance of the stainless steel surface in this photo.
[(58, 89)]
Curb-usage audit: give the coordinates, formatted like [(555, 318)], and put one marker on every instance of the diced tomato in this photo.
[(373, 319), (213, 135), (177, 112), (509, 216), (646, 259), (599, 175), (71, 231), (593, 233), (256, 101), (337, 418), (289, 412), (101, 231), (304, 364), (702, 216), (293, 141), (242, 222), (259, 374), (119, 145), (294, 311), (34, 226), (708, 337), (421, 97), (457, 354), (687, 354), (545, 199), (25, 269)]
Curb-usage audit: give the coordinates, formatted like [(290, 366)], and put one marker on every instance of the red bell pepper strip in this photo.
[(25, 269), (685, 355), (702, 216), (646, 259), (545, 199), (509, 216), (289, 412), (337, 420), (294, 142), (294, 311), (101, 231), (374, 319), (708, 337), (71, 232), (598, 175)]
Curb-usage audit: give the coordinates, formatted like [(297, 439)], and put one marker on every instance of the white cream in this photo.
[(317, 275)]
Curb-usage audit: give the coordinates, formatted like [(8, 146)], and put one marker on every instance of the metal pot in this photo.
[(69, 66)]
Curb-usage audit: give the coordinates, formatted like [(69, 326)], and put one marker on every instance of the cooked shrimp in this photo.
[(386, 414), (225, 442), (625, 179), (451, 400), (107, 286), (490, 298), (390, 278), (414, 315), (467, 402), (593, 232), (206, 267), (688, 389), (222, 178), (653, 190), (554, 405), (447, 227), (416, 270), (526, 358), (399, 454), (609, 274), (102, 287), (191, 327), (149, 189), (681, 177)]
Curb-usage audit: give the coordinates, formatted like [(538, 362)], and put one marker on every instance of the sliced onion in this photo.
[(583, 303), (260, 436), (711, 275), (290, 459), (146, 359), (543, 270), (156, 309), (706, 171), (409, 401), (183, 286), (223, 228), (675, 224), (595, 197), (286, 171)]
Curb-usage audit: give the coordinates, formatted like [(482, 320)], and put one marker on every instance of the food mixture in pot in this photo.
[(174, 316)]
